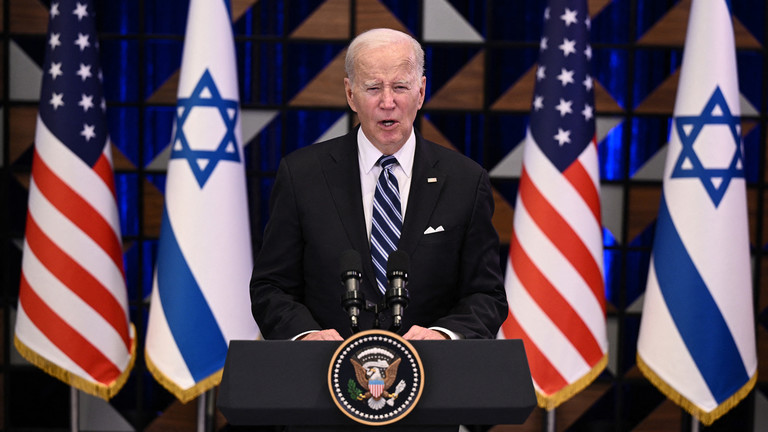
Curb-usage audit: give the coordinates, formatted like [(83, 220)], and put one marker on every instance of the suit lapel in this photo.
[(341, 170), (426, 184)]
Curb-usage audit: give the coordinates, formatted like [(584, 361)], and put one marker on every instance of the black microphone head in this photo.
[(350, 262), (398, 263)]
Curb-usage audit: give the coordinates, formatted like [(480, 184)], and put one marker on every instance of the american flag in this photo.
[(72, 316), (697, 333), (554, 277)]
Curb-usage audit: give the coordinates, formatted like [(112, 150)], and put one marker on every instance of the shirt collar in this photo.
[(369, 154)]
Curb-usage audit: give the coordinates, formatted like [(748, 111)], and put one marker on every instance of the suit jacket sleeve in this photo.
[(277, 282)]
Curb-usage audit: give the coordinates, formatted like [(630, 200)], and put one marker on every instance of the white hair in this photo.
[(380, 37)]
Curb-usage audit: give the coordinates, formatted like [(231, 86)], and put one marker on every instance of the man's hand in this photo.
[(327, 335), (421, 333)]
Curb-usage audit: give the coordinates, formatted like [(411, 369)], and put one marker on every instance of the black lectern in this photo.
[(465, 382)]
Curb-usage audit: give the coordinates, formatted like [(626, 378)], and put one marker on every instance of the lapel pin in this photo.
[(432, 180)]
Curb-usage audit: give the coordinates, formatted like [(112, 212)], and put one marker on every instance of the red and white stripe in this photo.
[(554, 278), (73, 307)]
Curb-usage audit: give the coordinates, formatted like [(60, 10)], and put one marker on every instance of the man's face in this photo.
[(386, 95)]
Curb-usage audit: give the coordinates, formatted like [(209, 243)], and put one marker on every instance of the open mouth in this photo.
[(387, 123)]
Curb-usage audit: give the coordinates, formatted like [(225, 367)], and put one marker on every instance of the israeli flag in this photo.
[(200, 298), (697, 333)]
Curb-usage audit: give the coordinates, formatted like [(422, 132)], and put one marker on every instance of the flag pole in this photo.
[(74, 409), (695, 424), (201, 412), (210, 410), (206, 422), (549, 421)]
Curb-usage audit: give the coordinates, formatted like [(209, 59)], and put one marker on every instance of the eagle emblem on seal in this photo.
[(376, 372)]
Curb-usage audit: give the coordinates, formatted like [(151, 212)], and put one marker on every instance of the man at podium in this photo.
[(379, 189)]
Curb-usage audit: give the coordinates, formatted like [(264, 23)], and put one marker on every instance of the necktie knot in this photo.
[(387, 161)]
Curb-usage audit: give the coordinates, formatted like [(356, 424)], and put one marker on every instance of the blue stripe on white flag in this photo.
[(691, 304), (203, 346)]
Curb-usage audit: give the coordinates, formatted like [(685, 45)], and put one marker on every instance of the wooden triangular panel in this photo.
[(166, 93), (604, 102), (596, 6), (643, 209), (24, 179), (747, 126), (667, 417), (28, 17), (430, 132), (671, 29), (465, 89), (329, 21), (662, 99), (372, 14), (119, 160), (743, 38), (22, 121), (518, 97), (240, 7), (326, 88), (153, 209)]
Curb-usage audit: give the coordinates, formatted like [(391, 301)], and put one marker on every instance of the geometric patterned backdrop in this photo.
[(480, 61)]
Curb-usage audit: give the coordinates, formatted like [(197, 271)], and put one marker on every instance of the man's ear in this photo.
[(348, 93), (422, 91)]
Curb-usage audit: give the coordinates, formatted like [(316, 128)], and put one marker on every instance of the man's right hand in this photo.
[(327, 335)]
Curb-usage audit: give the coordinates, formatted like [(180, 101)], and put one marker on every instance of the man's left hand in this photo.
[(421, 333)]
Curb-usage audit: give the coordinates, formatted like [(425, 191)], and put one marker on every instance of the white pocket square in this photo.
[(431, 230)]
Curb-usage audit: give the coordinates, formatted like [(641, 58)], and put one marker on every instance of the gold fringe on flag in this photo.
[(183, 395), (705, 417), (552, 401), (105, 392)]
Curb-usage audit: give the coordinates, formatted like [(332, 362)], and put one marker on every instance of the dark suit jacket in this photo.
[(316, 214)]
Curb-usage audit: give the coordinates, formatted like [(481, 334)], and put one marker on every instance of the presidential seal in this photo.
[(375, 377)]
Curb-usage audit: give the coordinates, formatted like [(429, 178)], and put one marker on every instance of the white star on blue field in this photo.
[(688, 165), (203, 162)]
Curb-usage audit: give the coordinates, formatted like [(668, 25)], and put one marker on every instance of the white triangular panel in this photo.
[(339, 128), (442, 22), (747, 109), (512, 164), (254, 121), (26, 76), (637, 305), (604, 125), (160, 162), (611, 207), (653, 169)]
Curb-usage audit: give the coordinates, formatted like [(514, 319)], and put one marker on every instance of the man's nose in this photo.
[(387, 98)]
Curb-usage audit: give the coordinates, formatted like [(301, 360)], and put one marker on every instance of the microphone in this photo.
[(351, 272), (397, 295)]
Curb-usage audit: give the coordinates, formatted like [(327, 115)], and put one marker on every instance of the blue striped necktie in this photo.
[(387, 219)]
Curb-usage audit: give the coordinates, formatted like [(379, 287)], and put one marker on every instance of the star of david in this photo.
[(688, 165), (203, 162)]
